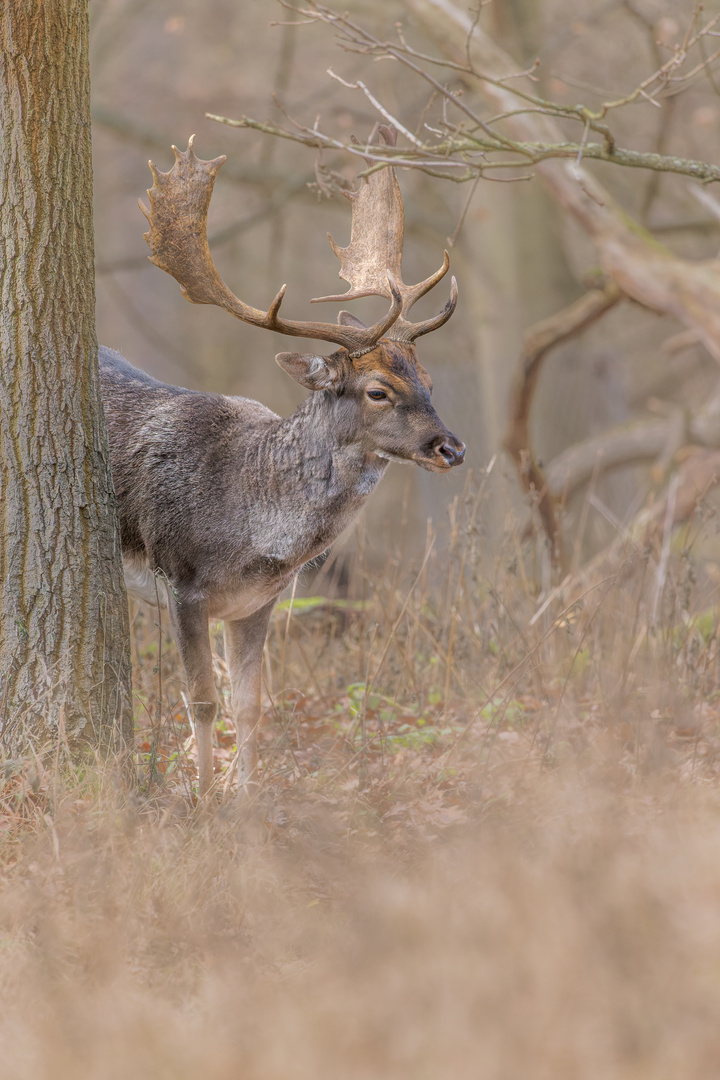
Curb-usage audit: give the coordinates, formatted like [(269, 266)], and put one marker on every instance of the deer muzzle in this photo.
[(443, 452)]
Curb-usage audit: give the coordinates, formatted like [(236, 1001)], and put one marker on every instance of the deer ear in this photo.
[(314, 372), (346, 318)]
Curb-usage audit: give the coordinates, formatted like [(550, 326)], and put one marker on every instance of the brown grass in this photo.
[(486, 846)]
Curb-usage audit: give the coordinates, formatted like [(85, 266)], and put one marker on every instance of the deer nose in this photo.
[(452, 450)]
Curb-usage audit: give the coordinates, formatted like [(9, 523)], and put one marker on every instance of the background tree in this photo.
[(64, 653)]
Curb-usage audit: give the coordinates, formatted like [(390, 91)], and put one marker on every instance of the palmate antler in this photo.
[(371, 263), (179, 202), (374, 254)]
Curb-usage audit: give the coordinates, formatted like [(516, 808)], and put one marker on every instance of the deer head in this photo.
[(380, 390)]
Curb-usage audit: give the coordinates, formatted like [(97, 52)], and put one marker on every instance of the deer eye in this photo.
[(377, 395)]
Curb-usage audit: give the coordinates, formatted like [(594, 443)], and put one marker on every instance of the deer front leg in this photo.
[(190, 623), (244, 641)]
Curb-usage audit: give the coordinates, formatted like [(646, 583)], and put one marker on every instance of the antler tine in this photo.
[(179, 201), (375, 248), (416, 330), (275, 305)]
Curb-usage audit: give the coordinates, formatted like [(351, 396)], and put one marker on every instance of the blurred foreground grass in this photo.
[(487, 843)]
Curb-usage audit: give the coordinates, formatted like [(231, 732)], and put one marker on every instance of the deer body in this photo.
[(222, 496), (220, 500)]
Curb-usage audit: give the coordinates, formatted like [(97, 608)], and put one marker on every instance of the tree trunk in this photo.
[(64, 654)]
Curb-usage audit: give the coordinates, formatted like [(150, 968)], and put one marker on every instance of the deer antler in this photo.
[(375, 249), (179, 202)]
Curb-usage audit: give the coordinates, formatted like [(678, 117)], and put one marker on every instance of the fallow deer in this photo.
[(221, 501)]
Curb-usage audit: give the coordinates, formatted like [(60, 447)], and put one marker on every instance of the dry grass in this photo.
[(486, 847)]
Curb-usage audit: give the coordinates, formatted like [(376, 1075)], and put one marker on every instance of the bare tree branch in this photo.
[(641, 267), (641, 440), (538, 342), (473, 150), (463, 61)]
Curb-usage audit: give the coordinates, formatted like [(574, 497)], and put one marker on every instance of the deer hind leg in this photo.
[(244, 641), (190, 623)]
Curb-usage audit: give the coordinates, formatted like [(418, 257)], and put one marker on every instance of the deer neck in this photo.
[(320, 445), (313, 477)]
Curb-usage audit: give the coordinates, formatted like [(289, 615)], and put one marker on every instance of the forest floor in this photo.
[(486, 844)]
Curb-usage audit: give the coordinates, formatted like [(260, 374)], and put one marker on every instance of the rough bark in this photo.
[(64, 655)]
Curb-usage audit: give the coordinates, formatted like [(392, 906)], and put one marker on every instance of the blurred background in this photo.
[(159, 66)]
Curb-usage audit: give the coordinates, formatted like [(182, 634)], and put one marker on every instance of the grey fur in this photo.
[(221, 501)]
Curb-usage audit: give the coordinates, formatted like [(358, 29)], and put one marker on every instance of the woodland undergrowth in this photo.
[(486, 841)]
